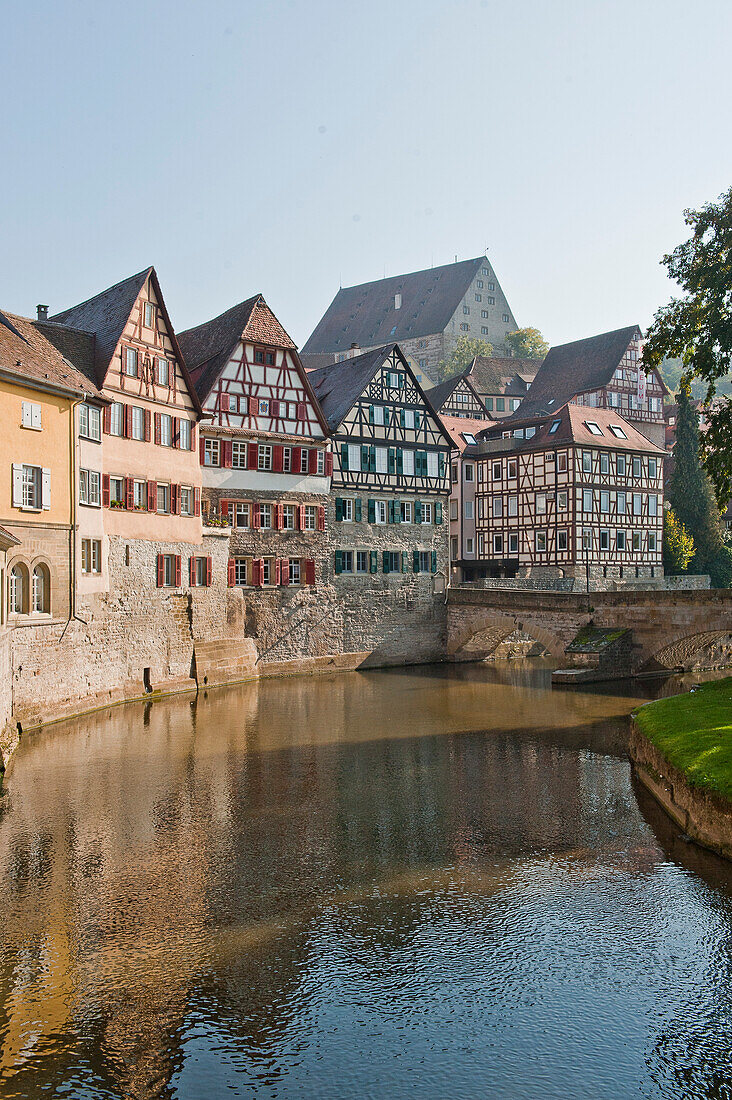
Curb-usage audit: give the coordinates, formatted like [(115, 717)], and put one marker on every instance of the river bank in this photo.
[(681, 748)]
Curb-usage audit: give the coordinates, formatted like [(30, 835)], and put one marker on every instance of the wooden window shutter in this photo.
[(224, 402), (256, 516), (224, 507), (257, 572), (321, 517), (301, 517), (371, 414), (339, 508), (391, 465), (391, 511), (385, 561), (400, 461), (280, 516), (106, 419), (438, 511), (129, 493), (226, 453), (252, 403), (252, 456), (441, 463), (357, 509), (209, 571), (372, 511), (329, 464), (364, 456), (372, 460), (277, 452), (231, 573), (415, 561), (192, 572), (161, 570), (405, 559), (417, 419), (397, 511), (373, 561), (338, 562), (418, 511), (301, 414), (433, 562), (193, 437), (105, 490), (296, 460), (313, 461), (309, 571), (196, 502), (285, 571), (177, 571), (403, 418), (274, 408), (202, 449), (146, 424), (152, 496), (175, 499), (127, 421), (277, 570), (157, 428)]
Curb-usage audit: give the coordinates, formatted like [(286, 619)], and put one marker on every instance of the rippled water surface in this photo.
[(427, 883)]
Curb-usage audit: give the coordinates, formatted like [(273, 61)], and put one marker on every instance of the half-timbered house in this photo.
[(578, 494), (391, 472), (457, 397), (463, 544), (502, 382), (264, 452)]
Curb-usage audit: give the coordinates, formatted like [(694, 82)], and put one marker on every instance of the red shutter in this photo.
[(285, 571), (226, 452), (209, 566), (301, 517), (202, 450), (313, 461), (196, 502), (252, 456), (224, 402), (274, 408), (277, 571), (309, 571), (161, 571), (106, 419), (105, 490), (252, 406), (296, 461), (157, 429), (321, 518), (152, 496), (279, 517), (256, 516), (146, 424), (231, 572), (257, 573), (301, 415), (277, 459), (176, 432), (192, 572), (177, 570), (127, 421), (175, 499), (328, 463), (129, 493), (224, 505), (193, 436)]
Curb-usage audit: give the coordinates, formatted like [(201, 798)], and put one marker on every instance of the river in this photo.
[(434, 882)]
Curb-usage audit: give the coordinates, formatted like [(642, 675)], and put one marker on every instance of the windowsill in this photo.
[(89, 438), (28, 508), (88, 504), (30, 428)]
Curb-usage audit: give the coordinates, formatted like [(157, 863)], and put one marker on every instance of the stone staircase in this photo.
[(224, 661)]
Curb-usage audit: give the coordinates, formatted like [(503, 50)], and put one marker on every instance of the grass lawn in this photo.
[(694, 733)]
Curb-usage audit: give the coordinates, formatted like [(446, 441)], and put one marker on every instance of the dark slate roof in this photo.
[(491, 374), (365, 314), (575, 368), (440, 394), (319, 359), (76, 346), (26, 353), (106, 315)]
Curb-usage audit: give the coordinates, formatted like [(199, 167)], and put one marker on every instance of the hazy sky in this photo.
[(288, 147)]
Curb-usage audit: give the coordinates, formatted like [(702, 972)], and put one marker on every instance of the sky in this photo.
[(292, 147)]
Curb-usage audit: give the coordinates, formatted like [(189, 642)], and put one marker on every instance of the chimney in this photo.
[(42, 312)]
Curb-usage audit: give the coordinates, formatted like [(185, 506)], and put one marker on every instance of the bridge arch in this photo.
[(680, 651), (494, 628)]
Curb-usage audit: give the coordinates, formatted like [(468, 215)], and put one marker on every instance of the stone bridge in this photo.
[(670, 629)]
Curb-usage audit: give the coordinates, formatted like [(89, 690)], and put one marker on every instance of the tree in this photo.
[(462, 355), (697, 327), (527, 343), (678, 545), (691, 496)]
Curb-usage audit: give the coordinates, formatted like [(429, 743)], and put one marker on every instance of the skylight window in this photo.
[(469, 438), (593, 427), (555, 425), (618, 431)]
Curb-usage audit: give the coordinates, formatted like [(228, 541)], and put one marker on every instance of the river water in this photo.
[(436, 882)]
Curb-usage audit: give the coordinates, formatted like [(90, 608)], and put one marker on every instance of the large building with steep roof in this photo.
[(425, 312)]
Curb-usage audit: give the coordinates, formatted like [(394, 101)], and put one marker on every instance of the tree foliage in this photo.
[(678, 545), (527, 343), (462, 355), (697, 326)]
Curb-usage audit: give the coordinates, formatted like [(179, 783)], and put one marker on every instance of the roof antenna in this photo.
[(456, 257)]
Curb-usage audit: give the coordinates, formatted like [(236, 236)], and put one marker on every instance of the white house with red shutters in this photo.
[(264, 448)]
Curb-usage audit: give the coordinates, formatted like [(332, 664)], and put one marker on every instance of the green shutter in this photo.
[(391, 465), (400, 376), (405, 559), (339, 508), (385, 561), (403, 417), (441, 463), (357, 509), (344, 456), (371, 414), (391, 511), (433, 562), (438, 512), (415, 561), (373, 561), (372, 511), (372, 460), (397, 511), (364, 457), (418, 511), (417, 419), (338, 562), (400, 461)]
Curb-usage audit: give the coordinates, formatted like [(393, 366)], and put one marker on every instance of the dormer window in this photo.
[(592, 427), (554, 426), (397, 301), (618, 431)]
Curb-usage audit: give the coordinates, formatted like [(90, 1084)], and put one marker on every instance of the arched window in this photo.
[(18, 589), (41, 589)]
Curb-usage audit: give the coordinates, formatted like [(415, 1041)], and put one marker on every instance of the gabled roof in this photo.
[(208, 347), (570, 369), (572, 428), (28, 355), (458, 425), (440, 394), (366, 314), (492, 374), (339, 386)]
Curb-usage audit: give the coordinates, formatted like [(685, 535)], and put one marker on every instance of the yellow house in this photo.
[(39, 390)]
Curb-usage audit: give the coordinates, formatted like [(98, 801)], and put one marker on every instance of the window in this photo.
[(166, 430), (593, 428), (587, 500), (378, 414), (242, 514), (653, 467), (304, 461), (637, 544), (587, 462), (186, 500), (620, 540), (294, 570), (184, 435), (637, 466), (604, 540), (484, 313), (500, 404), (468, 509), (604, 463), (465, 328), (163, 499), (479, 284), (426, 512), (541, 541), (618, 431), (211, 452), (380, 511), (265, 517), (422, 561), (362, 561), (479, 297), (586, 539), (240, 571), (200, 572), (488, 403), (239, 454), (347, 510), (41, 589), (561, 540), (454, 547), (131, 362), (381, 460), (506, 318), (117, 491), (311, 517), (541, 502), (423, 363), (163, 372), (18, 589), (116, 414), (91, 556), (512, 469), (496, 471), (604, 501), (637, 504), (346, 561), (406, 511), (489, 300), (288, 517), (432, 464), (469, 471), (620, 465), (653, 505), (513, 506), (391, 561), (554, 426), (621, 503), (497, 507), (484, 271), (139, 495), (466, 310), (148, 314), (651, 540), (498, 544), (513, 544), (264, 456), (562, 500), (138, 422), (90, 422), (168, 570), (89, 487)]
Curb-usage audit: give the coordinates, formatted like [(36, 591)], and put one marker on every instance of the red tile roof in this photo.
[(26, 353)]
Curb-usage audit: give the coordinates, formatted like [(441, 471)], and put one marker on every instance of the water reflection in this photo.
[(343, 886)]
